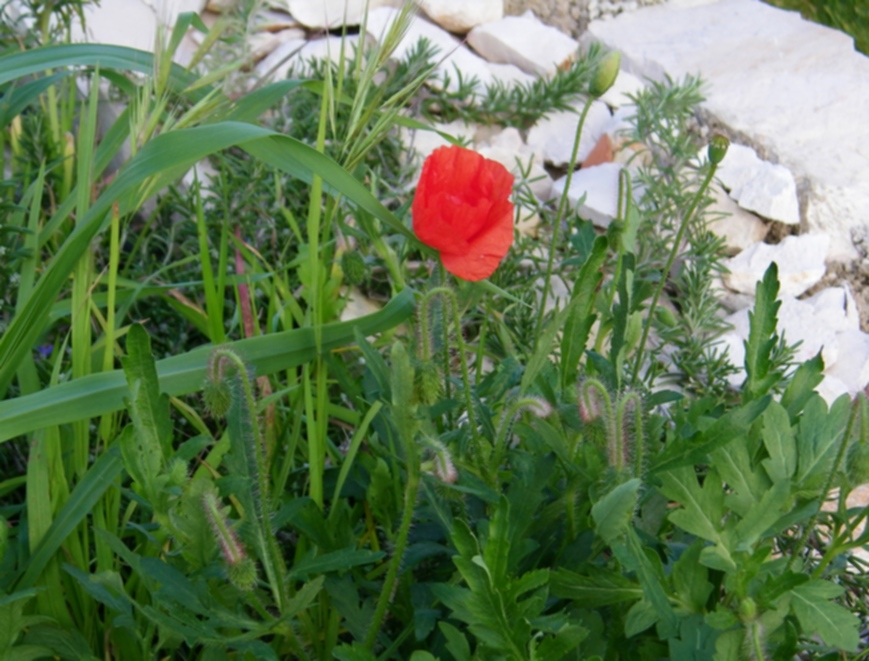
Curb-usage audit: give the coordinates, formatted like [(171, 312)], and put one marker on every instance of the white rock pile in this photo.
[(798, 92)]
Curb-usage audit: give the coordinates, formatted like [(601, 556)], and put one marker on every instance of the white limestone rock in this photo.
[(626, 84), (852, 366), (461, 15), (118, 22), (261, 44), (775, 78), (800, 262), (277, 64), (508, 148), (329, 14), (452, 56), (600, 185), (553, 135), (837, 307), (759, 186), (739, 228), (525, 41), (418, 144)]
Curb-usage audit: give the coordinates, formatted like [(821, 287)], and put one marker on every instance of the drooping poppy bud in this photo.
[(462, 209)]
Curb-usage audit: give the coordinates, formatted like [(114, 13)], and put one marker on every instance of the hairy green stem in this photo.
[(457, 320), (386, 594)]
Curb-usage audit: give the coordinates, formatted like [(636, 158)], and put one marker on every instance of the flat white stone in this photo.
[(277, 64), (831, 389), (800, 262), (462, 15), (118, 22), (759, 186), (453, 58), (618, 95), (553, 135), (837, 307), (508, 148), (524, 41), (418, 144), (600, 185), (852, 367), (328, 14), (795, 88), (739, 228)]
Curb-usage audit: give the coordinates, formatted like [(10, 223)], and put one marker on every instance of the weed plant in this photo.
[(201, 460)]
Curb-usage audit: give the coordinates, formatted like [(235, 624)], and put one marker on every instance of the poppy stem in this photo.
[(562, 207), (450, 295), (665, 273)]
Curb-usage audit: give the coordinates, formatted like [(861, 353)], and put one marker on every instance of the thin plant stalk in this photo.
[(674, 251), (562, 207)]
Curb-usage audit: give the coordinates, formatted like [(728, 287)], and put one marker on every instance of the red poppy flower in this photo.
[(462, 209)]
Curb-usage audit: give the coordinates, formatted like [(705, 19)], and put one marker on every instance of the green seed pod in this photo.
[(353, 265), (606, 74), (717, 149)]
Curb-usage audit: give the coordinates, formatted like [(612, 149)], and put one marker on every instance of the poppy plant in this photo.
[(462, 209)]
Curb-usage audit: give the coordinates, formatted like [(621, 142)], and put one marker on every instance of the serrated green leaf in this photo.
[(760, 518), (702, 507), (778, 439), (612, 514), (688, 452), (334, 561), (640, 617), (497, 549), (565, 640), (806, 378), (762, 337), (832, 622), (599, 589), (580, 317), (818, 437), (457, 643), (690, 579)]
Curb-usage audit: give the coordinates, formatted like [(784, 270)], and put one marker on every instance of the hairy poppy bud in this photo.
[(462, 209), (606, 74), (354, 267), (717, 149)]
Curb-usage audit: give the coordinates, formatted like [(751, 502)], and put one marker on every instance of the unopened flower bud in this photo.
[(747, 609), (243, 574), (429, 383), (216, 392), (353, 265), (606, 74), (717, 149)]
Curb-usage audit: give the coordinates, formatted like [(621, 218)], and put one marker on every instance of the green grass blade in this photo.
[(105, 392), (26, 63), (96, 481)]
